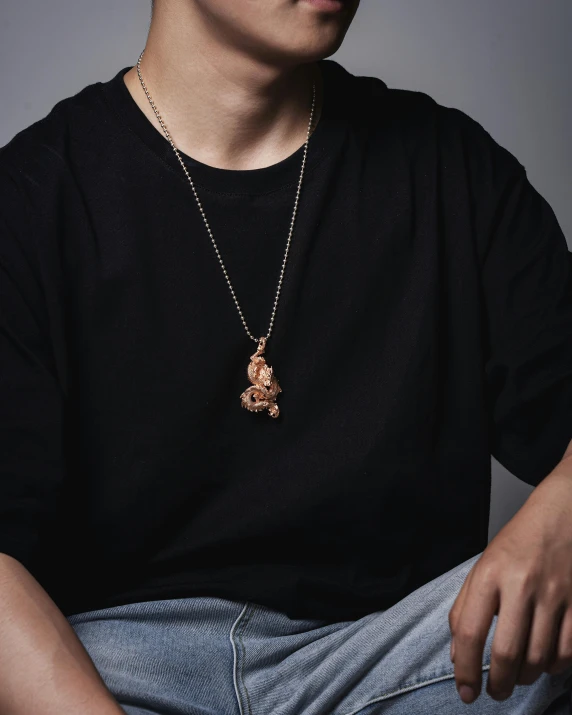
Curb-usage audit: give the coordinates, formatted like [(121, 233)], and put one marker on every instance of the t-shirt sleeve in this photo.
[(31, 394), (526, 278)]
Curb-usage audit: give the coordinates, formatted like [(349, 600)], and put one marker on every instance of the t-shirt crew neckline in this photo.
[(255, 181)]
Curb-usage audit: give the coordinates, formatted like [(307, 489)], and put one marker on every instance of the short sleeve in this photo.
[(31, 395), (526, 271)]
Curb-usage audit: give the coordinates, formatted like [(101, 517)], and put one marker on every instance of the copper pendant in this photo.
[(265, 388)]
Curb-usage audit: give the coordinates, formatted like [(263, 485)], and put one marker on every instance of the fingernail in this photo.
[(452, 651), (467, 694)]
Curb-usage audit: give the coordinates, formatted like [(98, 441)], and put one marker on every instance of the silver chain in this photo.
[(205, 218)]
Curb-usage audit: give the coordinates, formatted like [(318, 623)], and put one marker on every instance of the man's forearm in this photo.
[(44, 668)]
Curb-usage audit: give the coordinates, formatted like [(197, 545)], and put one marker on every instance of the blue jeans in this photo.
[(212, 656)]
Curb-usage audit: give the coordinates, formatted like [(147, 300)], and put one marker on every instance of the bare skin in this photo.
[(44, 668), (525, 577), (232, 81)]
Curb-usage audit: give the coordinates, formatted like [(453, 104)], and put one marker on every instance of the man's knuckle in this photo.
[(488, 572), (536, 662), (553, 591), (504, 654), (468, 636), (526, 582)]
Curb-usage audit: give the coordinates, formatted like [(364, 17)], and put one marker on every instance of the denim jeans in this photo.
[(212, 656)]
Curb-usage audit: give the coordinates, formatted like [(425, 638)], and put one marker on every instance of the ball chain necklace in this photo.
[(262, 394)]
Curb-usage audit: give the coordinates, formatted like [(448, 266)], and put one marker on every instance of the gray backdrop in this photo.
[(506, 63)]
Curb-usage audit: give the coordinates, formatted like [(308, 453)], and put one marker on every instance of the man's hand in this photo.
[(525, 577)]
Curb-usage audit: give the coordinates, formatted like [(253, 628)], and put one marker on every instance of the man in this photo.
[(263, 323)]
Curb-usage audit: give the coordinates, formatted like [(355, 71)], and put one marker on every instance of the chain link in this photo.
[(168, 136)]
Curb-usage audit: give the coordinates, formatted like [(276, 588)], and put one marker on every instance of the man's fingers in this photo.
[(472, 627), (542, 644), (509, 643), (563, 656), (456, 609)]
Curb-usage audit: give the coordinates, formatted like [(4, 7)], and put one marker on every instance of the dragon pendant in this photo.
[(261, 395)]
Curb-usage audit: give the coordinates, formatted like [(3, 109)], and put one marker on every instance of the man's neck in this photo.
[(220, 106)]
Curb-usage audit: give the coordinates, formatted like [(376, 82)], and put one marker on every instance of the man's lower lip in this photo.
[(327, 5)]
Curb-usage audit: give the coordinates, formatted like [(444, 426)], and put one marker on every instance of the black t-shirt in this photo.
[(425, 323)]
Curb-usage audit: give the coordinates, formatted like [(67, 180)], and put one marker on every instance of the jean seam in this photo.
[(241, 631), (406, 689), (235, 627), (239, 627)]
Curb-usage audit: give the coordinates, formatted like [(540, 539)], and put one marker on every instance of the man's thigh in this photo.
[(165, 657), (392, 662), (193, 656)]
